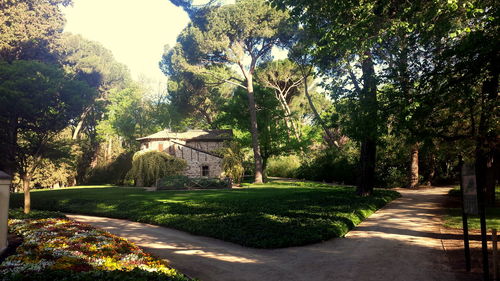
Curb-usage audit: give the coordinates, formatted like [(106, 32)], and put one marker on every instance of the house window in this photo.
[(205, 171)]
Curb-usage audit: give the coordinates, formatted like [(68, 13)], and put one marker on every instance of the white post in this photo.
[(5, 181)]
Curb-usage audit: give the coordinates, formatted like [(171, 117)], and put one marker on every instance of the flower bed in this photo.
[(52, 245)]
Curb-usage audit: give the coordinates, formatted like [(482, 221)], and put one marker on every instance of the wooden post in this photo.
[(5, 181), (468, 206), (495, 255)]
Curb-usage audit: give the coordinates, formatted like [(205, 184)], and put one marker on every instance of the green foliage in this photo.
[(53, 175), (28, 27), (150, 166), (232, 161), (453, 218), (184, 182), (331, 166), (283, 166), (275, 138), (91, 62), (37, 101), (270, 215), (34, 214), (49, 98), (114, 172), (127, 115)]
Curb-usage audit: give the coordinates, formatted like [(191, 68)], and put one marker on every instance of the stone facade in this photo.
[(197, 147)]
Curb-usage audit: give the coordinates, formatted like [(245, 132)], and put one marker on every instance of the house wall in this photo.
[(206, 145), (195, 159)]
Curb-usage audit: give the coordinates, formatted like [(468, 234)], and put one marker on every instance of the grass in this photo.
[(454, 217), (272, 215)]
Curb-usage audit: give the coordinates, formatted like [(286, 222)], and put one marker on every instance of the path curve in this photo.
[(401, 241)]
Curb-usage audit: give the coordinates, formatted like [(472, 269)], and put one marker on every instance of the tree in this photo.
[(37, 101), (284, 78), (463, 86), (274, 137), (28, 27), (193, 93), (242, 34), (90, 62), (232, 161), (346, 34), (128, 115), (300, 53)]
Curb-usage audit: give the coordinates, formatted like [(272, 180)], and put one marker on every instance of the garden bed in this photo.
[(190, 183), (62, 249)]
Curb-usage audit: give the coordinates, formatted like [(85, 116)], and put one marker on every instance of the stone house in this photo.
[(197, 147)]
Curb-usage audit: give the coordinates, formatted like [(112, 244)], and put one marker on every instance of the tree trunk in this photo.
[(486, 141), (368, 103), (79, 126), (26, 180), (288, 121), (330, 139), (254, 130), (109, 149), (367, 168), (264, 166), (414, 176)]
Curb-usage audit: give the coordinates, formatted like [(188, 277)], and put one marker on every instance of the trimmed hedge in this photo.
[(34, 214), (184, 182)]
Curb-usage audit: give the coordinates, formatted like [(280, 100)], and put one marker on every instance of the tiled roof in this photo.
[(192, 135), (4, 176)]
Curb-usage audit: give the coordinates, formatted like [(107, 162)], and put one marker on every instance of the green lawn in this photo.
[(454, 217), (273, 215)]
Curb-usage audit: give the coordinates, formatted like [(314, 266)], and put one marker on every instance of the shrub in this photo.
[(34, 214), (283, 166), (184, 182), (148, 167), (111, 173), (232, 162), (330, 166), (394, 177)]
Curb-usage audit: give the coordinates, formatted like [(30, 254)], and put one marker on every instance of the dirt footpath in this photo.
[(401, 242)]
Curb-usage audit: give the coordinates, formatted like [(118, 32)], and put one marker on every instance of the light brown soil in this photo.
[(401, 242)]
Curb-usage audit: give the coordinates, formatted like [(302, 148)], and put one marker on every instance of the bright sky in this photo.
[(135, 31)]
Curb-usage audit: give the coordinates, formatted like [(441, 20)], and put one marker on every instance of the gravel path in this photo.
[(401, 242)]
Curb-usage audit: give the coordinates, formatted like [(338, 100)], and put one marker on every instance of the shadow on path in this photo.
[(402, 241)]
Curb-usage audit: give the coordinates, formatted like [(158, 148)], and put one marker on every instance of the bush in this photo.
[(34, 214), (394, 177), (148, 167), (283, 166), (112, 173), (330, 166), (232, 161), (183, 182)]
